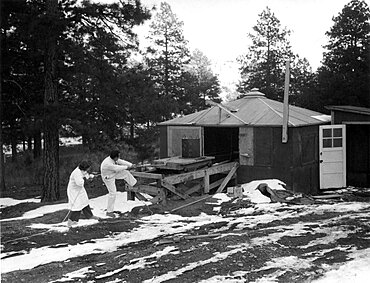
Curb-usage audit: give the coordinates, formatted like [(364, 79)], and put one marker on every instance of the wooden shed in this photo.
[(249, 130), (353, 152)]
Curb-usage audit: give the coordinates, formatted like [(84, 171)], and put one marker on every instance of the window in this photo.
[(332, 138)]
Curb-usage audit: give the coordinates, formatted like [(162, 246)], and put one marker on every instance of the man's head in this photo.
[(114, 155), (84, 165)]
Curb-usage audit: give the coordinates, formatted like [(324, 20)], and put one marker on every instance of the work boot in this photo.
[(110, 214), (95, 217), (72, 223)]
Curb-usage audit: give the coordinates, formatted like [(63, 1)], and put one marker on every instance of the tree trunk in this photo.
[(51, 137), (13, 141), (29, 144), (2, 163), (37, 144)]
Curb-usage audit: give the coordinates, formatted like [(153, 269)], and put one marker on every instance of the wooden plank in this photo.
[(174, 190), (328, 196), (191, 203), (184, 177), (228, 178), (220, 168), (146, 175), (150, 190), (216, 183), (156, 199), (194, 189), (140, 197), (206, 183)]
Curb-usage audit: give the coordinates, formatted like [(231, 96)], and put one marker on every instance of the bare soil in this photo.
[(16, 236)]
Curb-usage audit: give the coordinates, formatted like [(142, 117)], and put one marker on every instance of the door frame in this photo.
[(344, 151)]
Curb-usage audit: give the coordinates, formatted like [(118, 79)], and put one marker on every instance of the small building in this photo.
[(345, 148), (249, 130)]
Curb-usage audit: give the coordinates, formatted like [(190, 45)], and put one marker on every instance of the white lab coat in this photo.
[(77, 195), (109, 168), (110, 171)]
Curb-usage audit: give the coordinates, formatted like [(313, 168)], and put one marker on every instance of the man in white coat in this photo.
[(77, 196), (113, 168)]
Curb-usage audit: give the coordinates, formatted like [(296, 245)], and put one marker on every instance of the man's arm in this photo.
[(124, 163)]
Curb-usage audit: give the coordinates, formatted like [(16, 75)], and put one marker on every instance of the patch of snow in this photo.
[(80, 273), (356, 270), (4, 202), (255, 196)]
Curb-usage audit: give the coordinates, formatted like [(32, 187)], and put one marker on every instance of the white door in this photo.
[(332, 156)]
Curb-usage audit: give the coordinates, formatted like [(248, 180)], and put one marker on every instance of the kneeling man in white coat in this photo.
[(77, 196), (113, 168)]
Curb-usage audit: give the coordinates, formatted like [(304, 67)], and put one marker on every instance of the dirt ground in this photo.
[(230, 248)]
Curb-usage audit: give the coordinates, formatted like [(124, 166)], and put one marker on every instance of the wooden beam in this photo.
[(150, 190), (140, 197), (191, 203), (173, 189), (194, 189), (181, 178), (206, 183), (228, 178), (216, 183), (146, 175)]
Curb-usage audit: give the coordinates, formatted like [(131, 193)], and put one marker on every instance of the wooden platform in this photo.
[(178, 163), (182, 184)]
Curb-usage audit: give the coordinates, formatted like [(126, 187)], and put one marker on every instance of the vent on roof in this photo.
[(254, 92)]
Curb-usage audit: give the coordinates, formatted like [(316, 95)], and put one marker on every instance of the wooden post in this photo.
[(284, 138), (206, 182)]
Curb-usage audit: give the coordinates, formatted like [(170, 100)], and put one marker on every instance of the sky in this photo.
[(158, 225), (219, 28)]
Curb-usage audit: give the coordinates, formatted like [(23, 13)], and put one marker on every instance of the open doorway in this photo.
[(222, 143), (358, 155)]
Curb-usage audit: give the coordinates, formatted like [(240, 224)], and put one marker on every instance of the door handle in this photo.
[(321, 161)]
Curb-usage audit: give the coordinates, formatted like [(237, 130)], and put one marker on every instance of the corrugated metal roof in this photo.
[(253, 109), (351, 109)]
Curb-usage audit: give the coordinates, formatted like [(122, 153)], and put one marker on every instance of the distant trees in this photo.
[(206, 83)]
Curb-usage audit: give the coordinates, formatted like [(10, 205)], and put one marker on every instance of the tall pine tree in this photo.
[(263, 66), (167, 57), (344, 76)]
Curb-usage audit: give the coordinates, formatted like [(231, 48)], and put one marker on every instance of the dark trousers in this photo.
[(75, 215)]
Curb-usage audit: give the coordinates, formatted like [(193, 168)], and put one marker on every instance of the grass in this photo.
[(27, 173)]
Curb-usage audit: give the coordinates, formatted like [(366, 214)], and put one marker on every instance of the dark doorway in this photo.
[(222, 143), (358, 155)]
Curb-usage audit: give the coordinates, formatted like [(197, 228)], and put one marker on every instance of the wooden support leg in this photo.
[(206, 182), (130, 195)]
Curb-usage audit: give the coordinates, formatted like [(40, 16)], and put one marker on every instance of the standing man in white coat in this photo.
[(77, 197), (113, 168)]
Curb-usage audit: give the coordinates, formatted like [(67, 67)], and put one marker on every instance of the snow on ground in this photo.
[(168, 224), (4, 202)]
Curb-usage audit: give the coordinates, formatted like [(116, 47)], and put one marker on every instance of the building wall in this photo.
[(262, 155), (295, 163), (163, 145)]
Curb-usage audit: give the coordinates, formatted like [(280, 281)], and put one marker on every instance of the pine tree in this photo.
[(264, 64), (167, 57), (50, 190), (345, 74)]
